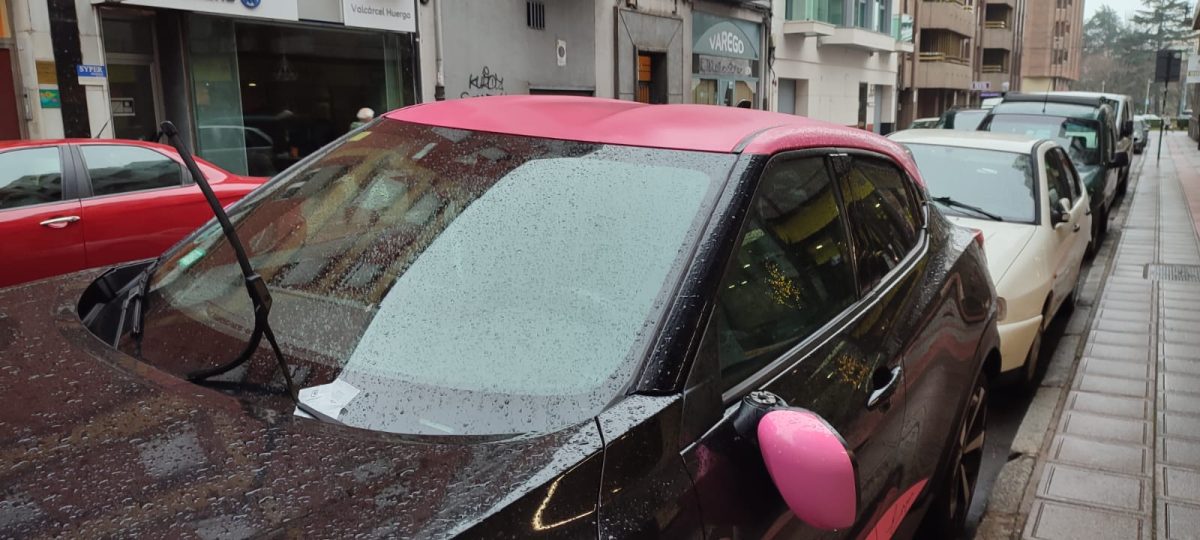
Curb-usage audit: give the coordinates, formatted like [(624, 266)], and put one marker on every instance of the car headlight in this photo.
[(1001, 309)]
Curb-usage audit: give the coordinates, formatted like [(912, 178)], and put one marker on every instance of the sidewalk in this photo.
[(1121, 457)]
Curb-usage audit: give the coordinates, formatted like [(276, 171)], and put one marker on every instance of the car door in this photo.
[(41, 232), (1080, 215), (138, 204), (1067, 232), (788, 319)]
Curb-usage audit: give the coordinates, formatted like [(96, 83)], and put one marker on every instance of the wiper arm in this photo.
[(957, 204), (256, 288)]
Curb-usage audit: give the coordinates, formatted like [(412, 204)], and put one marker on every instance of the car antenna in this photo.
[(101, 132), (260, 296)]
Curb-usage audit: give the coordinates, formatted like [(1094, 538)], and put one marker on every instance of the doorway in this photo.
[(10, 122), (651, 77), (135, 93)]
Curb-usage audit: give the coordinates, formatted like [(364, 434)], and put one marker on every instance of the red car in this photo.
[(71, 204)]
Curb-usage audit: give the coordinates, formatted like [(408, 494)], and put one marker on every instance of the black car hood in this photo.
[(95, 443)]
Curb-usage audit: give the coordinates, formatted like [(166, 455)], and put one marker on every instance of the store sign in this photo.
[(286, 10), (723, 37), (91, 74), (122, 106), (981, 85), (1193, 70), (49, 98), (394, 15), (716, 65)]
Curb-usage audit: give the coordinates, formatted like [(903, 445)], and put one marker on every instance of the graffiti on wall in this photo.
[(484, 83)]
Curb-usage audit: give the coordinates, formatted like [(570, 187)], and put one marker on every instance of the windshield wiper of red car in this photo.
[(260, 296)]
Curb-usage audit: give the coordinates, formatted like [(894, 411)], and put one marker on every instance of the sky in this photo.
[(1125, 8)]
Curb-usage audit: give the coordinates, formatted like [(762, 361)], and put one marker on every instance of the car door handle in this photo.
[(59, 222), (885, 384)]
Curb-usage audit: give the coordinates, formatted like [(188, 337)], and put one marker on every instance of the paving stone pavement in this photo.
[(1123, 459)]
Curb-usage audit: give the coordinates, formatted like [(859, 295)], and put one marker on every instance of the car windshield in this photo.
[(1080, 137), (1001, 183), (440, 281)]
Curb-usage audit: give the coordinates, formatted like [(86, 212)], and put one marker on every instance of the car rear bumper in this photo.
[(1015, 339)]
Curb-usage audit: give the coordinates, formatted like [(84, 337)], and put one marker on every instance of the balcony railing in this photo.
[(995, 24), (941, 57), (994, 68)]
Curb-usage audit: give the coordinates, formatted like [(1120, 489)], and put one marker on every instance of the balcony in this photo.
[(952, 16), (808, 28), (997, 38), (936, 70), (860, 38)]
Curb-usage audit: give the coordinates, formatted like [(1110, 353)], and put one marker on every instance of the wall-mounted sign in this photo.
[(1193, 69), (91, 74), (981, 85), (720, 36), (49, 98), (122, 106), (46, 73), (286, 10), (394, 15)]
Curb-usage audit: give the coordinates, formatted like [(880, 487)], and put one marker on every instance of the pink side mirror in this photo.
[(810, 466)]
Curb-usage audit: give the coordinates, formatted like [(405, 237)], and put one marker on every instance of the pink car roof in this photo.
[(704, 128)]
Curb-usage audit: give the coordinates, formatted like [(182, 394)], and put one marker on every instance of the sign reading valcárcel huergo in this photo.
[(393, 15)]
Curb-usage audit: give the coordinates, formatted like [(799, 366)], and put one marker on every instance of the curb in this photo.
[(1012, 492)]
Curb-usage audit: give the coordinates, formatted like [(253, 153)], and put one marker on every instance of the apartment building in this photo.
[(1001, 47), (836, 60), (1052, 44), (944, 65)]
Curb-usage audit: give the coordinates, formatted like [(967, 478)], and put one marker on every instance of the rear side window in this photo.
[(791, 274), (882, 215), (29, 177), (1058, 179), (123, 169)]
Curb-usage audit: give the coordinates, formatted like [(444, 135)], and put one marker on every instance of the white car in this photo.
[(1026, 197)]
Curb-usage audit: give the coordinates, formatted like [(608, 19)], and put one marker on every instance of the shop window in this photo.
[(535, 15)]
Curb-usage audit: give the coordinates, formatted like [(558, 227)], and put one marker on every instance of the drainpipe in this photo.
[(439, 91)]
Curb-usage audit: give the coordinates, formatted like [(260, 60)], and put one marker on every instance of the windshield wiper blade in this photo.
[(256, 288), (957, 204)]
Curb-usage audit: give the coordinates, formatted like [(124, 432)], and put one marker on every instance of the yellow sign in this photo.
[(45, 72)]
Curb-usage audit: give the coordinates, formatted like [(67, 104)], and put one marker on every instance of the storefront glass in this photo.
[(725, 61), (285, 91)]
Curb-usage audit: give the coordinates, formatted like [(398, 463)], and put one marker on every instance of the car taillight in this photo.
[(978, 237)]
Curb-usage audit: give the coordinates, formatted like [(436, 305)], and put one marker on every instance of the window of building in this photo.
[(535, 15), (791, 274), (29, 177)]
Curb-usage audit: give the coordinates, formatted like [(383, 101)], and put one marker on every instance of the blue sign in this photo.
[(251, 3), (88, 70)]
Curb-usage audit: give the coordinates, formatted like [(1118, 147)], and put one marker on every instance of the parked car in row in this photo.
[(1027, 198), (516, 316), (1122, 106), (1085, 128), (66, 205), (1141, 133), (925, 123), (961, 119)]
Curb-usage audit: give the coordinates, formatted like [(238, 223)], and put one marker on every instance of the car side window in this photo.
[(122, 169), (1069, 176), (790, 275), (31, 176), (1057, 181), (882, 215)]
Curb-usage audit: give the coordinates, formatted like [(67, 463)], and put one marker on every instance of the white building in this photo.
[(837, 60)]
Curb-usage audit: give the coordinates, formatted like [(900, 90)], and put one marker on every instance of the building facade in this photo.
[(1000, 56), (255, 84), (1052, 45), (945, 64), (837, 60)]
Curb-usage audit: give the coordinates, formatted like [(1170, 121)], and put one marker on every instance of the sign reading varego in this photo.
[(394, 15), (266, 9)]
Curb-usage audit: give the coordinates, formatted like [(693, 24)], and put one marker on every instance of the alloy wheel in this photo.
[(971, 437)]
